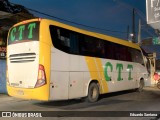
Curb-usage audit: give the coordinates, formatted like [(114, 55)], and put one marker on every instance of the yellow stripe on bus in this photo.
[(101, 72), (96, 72)]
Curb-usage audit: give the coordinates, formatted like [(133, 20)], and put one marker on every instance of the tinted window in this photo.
[(136, 56), (65, 40), (80, 44), (91, 46)]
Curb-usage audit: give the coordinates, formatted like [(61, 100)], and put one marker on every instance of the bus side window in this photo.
[(74, 43), (91, 46), (137, 56), (128, 55), (88, 46), (60, 38), (109, 50), (117, 52), (102, 50)]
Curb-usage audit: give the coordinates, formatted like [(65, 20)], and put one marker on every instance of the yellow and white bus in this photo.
[(49, 60)]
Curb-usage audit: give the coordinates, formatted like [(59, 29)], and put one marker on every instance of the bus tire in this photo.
[(141, 85), (93, 92)]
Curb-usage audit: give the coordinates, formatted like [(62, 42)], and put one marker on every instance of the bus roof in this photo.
[(86, 32)]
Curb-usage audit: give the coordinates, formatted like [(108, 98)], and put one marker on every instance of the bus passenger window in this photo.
[(63, 37), (74, 43), (109, 50), (65, 40), (91, 46), (60, 38), (137, 56)]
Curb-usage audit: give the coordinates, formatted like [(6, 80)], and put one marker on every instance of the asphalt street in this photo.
[(121, 102)]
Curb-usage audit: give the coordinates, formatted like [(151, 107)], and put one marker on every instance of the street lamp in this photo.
[(131, 36)]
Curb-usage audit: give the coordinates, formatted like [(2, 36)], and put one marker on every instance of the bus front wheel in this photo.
[(93, 92), (141, 85)]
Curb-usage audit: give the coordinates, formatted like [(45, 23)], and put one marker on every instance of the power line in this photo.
[(75, 22), (113, 31), (87, 25), (140, 14)]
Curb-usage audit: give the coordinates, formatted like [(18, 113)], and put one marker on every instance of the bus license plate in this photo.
[(20, 92)]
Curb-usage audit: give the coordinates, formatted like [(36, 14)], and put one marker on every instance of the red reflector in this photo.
[(156, 76)]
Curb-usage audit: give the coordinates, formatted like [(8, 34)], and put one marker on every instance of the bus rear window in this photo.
[(24, 33)]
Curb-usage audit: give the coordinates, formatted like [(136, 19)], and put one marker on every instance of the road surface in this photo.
[(148, 100)]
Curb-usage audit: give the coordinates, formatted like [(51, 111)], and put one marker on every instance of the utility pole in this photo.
[(139, 32), (133, 27), (128, 32)]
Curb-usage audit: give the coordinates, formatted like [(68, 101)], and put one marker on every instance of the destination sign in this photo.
[(24, 32)]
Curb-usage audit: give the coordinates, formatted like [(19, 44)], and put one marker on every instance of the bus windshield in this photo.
[(24, 33)]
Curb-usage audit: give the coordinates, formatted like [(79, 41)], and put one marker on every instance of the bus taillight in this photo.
[(41, 79)]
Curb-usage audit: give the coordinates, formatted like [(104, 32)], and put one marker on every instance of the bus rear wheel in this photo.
[(93, 92)]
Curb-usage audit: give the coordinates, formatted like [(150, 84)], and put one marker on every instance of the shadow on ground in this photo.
[(75, 104)]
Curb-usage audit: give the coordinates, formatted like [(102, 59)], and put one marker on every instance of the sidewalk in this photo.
[(4, 95)]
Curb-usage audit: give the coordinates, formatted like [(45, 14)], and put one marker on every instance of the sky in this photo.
[(111, 17)]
